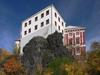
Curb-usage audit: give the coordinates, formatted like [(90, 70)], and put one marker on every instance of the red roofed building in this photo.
[(75, 39)]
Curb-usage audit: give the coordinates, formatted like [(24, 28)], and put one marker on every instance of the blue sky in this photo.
[(84, 13)]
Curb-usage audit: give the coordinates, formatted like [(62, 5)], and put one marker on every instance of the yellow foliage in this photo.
[(50, 73), (43, 71), (94, 60), (76, 69), (2, 73), (4, 54)]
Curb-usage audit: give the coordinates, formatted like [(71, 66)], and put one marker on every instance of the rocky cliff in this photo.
[(40, 51)]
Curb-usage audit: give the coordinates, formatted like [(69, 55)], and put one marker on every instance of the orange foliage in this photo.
[(13, 68)]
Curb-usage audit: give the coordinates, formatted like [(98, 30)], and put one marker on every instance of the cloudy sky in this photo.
[(85, 13)]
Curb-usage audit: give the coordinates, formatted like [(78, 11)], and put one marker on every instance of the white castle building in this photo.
[(43, 23)]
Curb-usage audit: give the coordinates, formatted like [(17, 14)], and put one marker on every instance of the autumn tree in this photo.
[(95, 45), (94, 62), (4, 54), (14, 68)]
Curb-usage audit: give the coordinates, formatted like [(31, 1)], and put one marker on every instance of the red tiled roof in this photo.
[(18, 39)]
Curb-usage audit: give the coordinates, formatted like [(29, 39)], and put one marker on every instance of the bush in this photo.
[(58, 65)]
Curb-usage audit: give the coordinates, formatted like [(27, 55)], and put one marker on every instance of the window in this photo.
[(25, 24), (42, 15), (70, 34), (47, 21), (55, 23), (55, 15), (59, 27), (70, 41), (25, 32), (77, 33), (62, 31), (42, 24), (36, 18), (36, 27), (78, 50), (29, 30), (77, 41), (62, 24), (58, 19), (29, 22), (47, 12)]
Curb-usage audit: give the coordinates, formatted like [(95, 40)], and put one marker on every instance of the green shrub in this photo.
[(57, 65)]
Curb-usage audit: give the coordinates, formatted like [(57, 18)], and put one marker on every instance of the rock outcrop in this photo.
[(40, 51)]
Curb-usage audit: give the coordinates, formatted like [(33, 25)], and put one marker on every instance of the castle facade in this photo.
[(46, 22)]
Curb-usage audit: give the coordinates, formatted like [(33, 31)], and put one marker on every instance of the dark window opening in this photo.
[(55, 23), (36, 18), (62, 24), (55, 15), (70, 42), (70, 34), (77, 33), (29, 30), (25, 32), (58, 19), (29, 22), (47, 21), (36, 27), (47, 12), (25, 24), (59, 27), (42, 15), (77, 41), (42, 24), (78, 50)]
